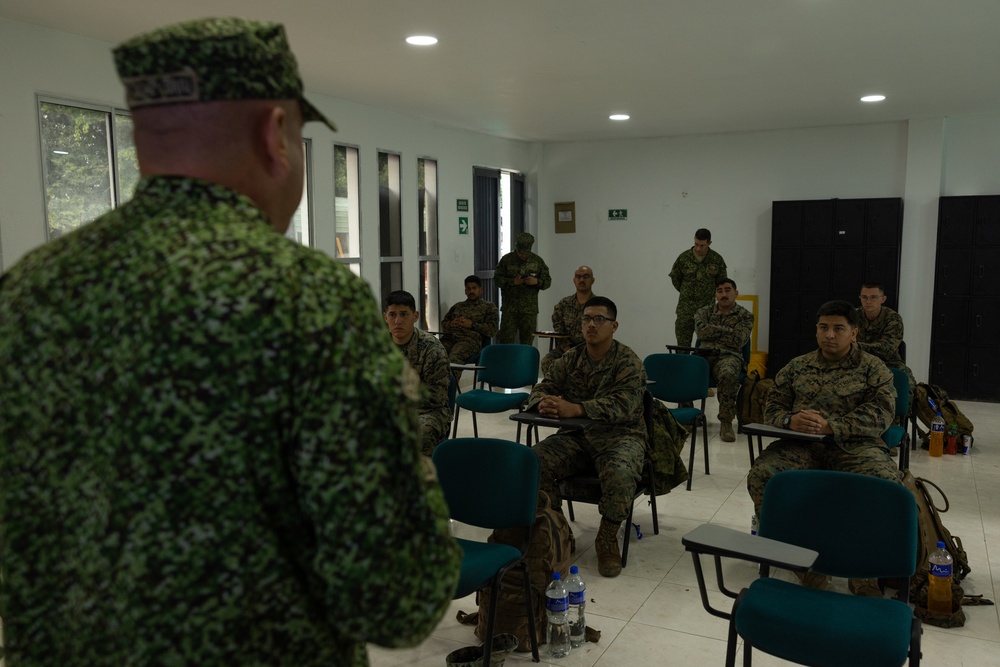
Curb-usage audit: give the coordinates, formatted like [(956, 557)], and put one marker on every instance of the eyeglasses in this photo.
[(596, 319), (870, 298)]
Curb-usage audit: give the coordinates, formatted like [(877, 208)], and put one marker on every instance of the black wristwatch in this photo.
[(788, 420)]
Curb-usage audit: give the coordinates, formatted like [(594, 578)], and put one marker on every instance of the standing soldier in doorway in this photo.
[(520, 275)]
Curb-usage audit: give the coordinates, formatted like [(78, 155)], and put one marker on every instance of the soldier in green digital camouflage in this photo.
[(428, 358), (468, 323), (566, 316), (602, 380), (693, 275), (208, 445), (520, 275), (880, 330), (840, 391), (725, 327)]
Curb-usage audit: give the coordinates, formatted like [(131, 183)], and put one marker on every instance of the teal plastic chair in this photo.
[(856, 526), (504, 366), (491, 484), (682, 378), (896, 435)]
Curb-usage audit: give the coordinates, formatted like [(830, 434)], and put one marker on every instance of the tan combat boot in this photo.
[(726, 431), (609, 559)]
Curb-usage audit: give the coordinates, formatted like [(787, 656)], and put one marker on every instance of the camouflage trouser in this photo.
[(792, 455), (726, 373), (434, 427), (516, 326), (618, 462), (459, 353), (684, 326)]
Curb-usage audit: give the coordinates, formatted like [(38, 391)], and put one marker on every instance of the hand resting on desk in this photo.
[(556, 407), (810, 421)]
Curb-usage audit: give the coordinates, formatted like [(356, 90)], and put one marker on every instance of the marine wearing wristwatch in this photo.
[(788, 419)]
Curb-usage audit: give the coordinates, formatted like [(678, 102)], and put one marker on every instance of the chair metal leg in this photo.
[(569, 506), (531, 613), (694, 440), (704, 431), (628, 534), (915, 631), (732, 637), (454, 433), (475, 426)]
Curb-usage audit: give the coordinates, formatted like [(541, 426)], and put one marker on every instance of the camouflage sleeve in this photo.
[(676, 274), (383, 566), (504, 273), (491, 321), (887, 345), (435, 373), (624, 399), (781, 398), (452, 314), (873, 414), (544, 280), (743, 329), (703, 328), (554, 382)]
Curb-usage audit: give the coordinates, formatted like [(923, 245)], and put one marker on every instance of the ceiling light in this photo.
[(61, 152), (421, 40), (619, 116), (873, 98)]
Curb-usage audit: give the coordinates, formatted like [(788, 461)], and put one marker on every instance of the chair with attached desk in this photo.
[(586, 488), (896, 435), (804, 526), (507, 366), (493, 484), (682, 378)]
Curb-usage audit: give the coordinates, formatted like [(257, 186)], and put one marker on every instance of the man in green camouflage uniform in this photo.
[(602, 380), (200, 419), (880, 330), (520, 275), (725, 326), (468, 323), (694, 275), (840, 391), (566, 316), (428, 357)]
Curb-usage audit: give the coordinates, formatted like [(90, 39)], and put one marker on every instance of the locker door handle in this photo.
[(943, 320), (979, 320), (975, 370)]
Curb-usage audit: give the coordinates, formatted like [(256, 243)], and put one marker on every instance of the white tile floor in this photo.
[(652, 615)]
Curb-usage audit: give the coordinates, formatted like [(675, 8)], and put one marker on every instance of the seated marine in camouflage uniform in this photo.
[(840, 391), (520, 275), (693, 275), (880, 330), (725, 326), (468, 323), (428, 358), (200, 420), (566, 316), (603, 380)]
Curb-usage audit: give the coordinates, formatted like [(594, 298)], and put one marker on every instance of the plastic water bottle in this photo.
[(939, 581), (556, 605), (577, 604), (754, 524), (937, 435)]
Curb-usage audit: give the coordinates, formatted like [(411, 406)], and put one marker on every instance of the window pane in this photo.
[(75, 158), (300, 229), (126, 164), (428, 203), (429, 300), (390, 213), (392, 279), (347, 211)]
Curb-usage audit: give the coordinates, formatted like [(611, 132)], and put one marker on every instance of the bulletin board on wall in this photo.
[(565, 217)]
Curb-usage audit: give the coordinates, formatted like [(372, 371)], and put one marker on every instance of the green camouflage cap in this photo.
[(212, 60), (524, 241)]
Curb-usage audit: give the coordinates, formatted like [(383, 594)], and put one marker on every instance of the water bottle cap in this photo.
[(556, 575), (573, 569), (940, 545)]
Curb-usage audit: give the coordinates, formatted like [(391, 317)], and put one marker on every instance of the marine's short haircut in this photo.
[(723, 281), (399, 298), (703, 235), (841, 308), (473, 279), (879, 286), (598, 301)]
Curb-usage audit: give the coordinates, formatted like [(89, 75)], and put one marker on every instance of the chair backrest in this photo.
[(863, 527), (679, 377), (488, 482), (509, 365), (902, 385)]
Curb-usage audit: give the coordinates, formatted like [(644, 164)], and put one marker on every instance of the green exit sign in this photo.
[(618, 214)]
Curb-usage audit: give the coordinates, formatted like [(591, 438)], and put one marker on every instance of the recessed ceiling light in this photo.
[(421, 40), (619, 116), (873, 98)]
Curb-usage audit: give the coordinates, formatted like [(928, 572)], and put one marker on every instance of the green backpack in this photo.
[(949, 411)]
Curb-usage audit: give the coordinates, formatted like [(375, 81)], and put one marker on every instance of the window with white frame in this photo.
[(390, 223), (347, 206), (427, 215)]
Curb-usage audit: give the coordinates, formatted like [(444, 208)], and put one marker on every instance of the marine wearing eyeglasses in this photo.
[(603, 380)]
